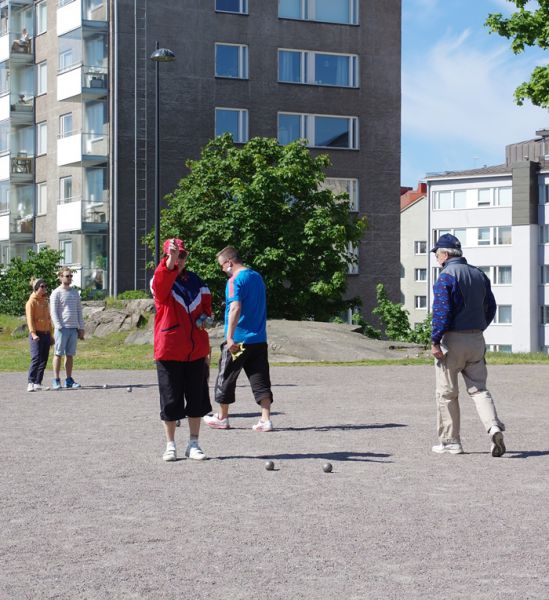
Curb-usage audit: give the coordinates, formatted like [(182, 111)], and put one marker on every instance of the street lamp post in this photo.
[(158, 56)]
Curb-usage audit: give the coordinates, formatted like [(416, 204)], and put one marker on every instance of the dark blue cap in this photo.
[(447, 241)]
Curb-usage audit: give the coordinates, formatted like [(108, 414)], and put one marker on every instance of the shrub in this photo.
[(15, 278), (133, 295)]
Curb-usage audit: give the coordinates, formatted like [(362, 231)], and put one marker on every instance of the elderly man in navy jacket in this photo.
[(463, 307)]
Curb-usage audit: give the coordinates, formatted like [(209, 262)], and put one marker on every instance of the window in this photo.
[(70, 48), (420, 274), (484, 197), (460, 233), (41, 198), (65, 125), (65, 246), (449, 199), (41, 78), (41, 246), (352, 265), (494, 236), (326, 11), (420, 302), (4, 196), (545, 274), (233, 121), (499, 275), (544, 234), (420, 247), (231, 60), (502, 236), (499, 348), (232, 6), (316, 68), (436, 273), (504, 314), (344, 186), (42, 138), (65, 189), (503, 275), (503, 196), (321, 131), (41, 18)]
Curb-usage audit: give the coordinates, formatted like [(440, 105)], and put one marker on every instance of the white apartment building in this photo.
[(414, 249), (500, 216)]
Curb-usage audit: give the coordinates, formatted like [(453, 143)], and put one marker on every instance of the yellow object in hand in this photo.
[(235, 354)]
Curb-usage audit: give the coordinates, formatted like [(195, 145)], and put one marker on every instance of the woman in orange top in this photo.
[(40, 333)]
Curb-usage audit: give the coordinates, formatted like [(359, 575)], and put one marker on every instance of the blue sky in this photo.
[(458, 81)]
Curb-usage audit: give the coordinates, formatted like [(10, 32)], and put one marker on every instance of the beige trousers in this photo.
[(466, 356)]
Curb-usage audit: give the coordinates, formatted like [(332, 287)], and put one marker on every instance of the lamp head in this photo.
[(163, 55)]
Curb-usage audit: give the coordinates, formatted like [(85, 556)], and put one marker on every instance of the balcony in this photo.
[(21, 109), (87, 148), (18, 168), (75, 214), (86, 83), (72, 14), (16, 48)]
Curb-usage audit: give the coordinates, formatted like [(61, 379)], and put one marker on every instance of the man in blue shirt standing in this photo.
[(245, 346), (463, 307)]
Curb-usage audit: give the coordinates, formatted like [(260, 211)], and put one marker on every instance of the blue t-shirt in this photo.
[(248, 288)]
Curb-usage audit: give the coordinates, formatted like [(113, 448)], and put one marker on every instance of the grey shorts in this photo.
[(65, 341)]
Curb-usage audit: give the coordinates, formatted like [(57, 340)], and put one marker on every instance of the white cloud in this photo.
[(457, 92)]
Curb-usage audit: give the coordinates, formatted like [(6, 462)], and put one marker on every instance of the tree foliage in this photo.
[(264, 199), (15, 278), (395, 321), (527, 27)]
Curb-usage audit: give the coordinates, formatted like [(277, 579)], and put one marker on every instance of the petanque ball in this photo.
[(269, 465), (105, 386), (327, 467), (129, 389)]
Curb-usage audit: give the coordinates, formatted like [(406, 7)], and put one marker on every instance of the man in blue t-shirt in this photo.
[(245, 346)]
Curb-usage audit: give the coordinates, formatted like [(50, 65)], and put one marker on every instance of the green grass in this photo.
[(112, 353)]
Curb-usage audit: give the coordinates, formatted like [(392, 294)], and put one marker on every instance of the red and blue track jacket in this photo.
[(179, 301)]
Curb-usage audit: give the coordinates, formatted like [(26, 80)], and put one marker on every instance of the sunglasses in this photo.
[(68, 276), (42, 285)]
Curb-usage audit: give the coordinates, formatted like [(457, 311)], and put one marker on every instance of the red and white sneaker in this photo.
[(215, 422), (263, 425)]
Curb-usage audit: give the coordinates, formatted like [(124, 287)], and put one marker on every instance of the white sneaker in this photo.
[(448, 448), (38, 387), (194, 451), (170, 453), (30, 387), (498, 445), (215, 422), (263, 425)]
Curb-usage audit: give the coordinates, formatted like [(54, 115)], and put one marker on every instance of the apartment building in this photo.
[(414, 249), (77, 119), (500, 215)]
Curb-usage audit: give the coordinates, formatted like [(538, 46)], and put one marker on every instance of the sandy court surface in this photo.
[(90, 511)]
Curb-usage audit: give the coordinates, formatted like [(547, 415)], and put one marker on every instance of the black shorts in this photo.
[(255, 362), (183, 389)]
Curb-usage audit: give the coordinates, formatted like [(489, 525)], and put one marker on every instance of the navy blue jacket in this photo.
[(462, 299)]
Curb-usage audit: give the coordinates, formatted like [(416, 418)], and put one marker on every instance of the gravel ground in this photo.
[(90, 511)]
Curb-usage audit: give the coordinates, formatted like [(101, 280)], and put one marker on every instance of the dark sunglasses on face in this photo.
[(68, 276), (42, 285)]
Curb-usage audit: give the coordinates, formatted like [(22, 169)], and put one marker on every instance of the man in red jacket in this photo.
[(181, 346)]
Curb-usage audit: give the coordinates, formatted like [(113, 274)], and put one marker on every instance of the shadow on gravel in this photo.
[(343, 427), (526, 453), (115, 386), (252, 414), (341, 456)]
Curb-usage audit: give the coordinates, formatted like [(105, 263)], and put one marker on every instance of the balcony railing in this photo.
[(92, 148), (75, 214)]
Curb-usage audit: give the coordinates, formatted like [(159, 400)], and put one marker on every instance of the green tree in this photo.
[(264, 199), (527, 28), (395, 321), (15, 278)]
